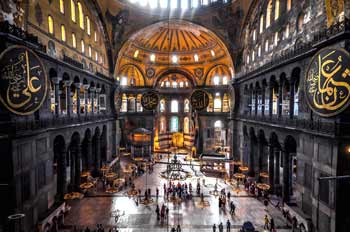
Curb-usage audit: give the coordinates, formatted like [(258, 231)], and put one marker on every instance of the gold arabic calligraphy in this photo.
[(22, 83), (328, 81), (150, 101), (199, 100)]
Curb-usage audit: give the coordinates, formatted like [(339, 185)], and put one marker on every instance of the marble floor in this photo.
[(100, 207)]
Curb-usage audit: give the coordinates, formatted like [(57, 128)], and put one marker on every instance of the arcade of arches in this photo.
[(81, 149)]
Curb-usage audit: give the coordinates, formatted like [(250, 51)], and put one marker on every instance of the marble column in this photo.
[(291, 100), (279, 102), (76, 154), (67, 84), (97, 152), (286, 176), (78, 86), (259, 164), (86, 98), (98, 91), (271, 100), (92, 95), (277, 167), (89, 153), (251, 159), (56, 82), (61, 173), (271, 167)]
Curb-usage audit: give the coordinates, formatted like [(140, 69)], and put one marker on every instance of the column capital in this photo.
[(78, 85), (56, 80), (92, 89), (86, 86), (67, 83)]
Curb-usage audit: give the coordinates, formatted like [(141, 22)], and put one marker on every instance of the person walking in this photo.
[(178, 228), (173, 229), (272, 225), (266, 220), (228, 226), (157, 212), (221, 227), (214, 228)]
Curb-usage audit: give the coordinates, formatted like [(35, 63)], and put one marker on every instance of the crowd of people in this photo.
[(220, 227)]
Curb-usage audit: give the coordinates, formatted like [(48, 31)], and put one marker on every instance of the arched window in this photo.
[(50, 24), (225, 80), (63, 33), (289, 5), (174, 124), (267, 45), (88, 27), (81, 16), (217, 103), (90, 51), (163, 3), (296, 98), (268, 13), (162, 125), (186, 125), (174, 84), (174, 106), (124, 81), (72, 10), (195, 3), (74, 41), (226, 103), (277, 9), (261, 24), (124, 106), (216, 80), (82, 46), (274, 99), (138, 103), (62, 6), (187, 106), (218, 124), (173, 4), (162, 106), (95, 36), (267, 101), (285, 98)]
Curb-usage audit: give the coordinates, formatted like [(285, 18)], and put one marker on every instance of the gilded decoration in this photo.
[(149, 100), (199, 100)]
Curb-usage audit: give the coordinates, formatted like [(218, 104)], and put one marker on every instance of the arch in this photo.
[(175, 71), (220, 70), (52, 73), (133, 74), (218, 124)]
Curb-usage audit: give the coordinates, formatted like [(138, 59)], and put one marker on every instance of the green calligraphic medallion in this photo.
[(327, 82), (23, 81), (199, 99), (149, 100)]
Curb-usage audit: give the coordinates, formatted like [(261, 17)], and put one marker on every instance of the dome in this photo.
[(175, 44)]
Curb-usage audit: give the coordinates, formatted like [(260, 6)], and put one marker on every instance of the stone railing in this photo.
[(300, 48), (61, 121), (331, 128)]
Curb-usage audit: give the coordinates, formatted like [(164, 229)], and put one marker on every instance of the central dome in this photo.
[(176, 45), (176, 37)]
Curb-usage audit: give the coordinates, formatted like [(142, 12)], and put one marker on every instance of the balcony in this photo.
[(318, 126), (57, 122)]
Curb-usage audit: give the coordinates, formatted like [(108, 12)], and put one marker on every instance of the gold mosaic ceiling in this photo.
[(174, 44)]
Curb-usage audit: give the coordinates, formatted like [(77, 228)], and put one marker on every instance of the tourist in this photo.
[(272, 224), (157, 212), (157, 192), (221, 227), (266, 220), (228, 195), (214, 228), (87, 229), (228, 226), (232, 208), (166, 212), (178, 228), (173, 229)]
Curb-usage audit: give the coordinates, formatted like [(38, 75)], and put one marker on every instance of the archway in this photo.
[(289, 167)]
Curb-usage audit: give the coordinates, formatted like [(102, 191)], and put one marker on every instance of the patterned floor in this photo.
[(99, 207)]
